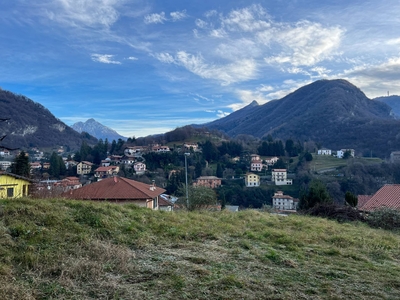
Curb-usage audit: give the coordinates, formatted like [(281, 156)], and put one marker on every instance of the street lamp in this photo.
[(187, 193)]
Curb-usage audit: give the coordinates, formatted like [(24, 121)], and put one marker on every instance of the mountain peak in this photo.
[(253, 103), (98, 130)]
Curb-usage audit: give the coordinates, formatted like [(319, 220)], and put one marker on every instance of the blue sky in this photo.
[(146, 67)]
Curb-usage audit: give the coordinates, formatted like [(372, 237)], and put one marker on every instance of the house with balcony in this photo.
[(83, 168), (279, 177)]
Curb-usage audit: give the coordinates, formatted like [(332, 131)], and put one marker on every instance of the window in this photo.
[(10, 192)]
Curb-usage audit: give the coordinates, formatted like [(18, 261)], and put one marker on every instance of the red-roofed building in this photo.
[(362, 200), (102, 172), (284, 202), (119, 190), (388, 196)]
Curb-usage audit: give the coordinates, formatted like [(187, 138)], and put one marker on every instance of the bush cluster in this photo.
[(385, 218)]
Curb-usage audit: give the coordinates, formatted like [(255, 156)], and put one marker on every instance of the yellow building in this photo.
[(13, 186), (252, 180)]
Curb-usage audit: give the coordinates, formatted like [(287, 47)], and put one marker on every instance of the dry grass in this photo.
[(59, 249)]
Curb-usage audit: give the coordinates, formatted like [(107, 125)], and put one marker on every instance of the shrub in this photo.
[(385, 218), (336, 212)]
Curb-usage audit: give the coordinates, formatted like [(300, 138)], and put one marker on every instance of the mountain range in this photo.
[(97, 130), (29, 124), (333, 113), (393, 101)]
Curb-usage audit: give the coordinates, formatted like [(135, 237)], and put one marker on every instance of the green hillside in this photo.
[(58, 249)]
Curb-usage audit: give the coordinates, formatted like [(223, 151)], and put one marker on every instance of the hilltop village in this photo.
[(239, 173)]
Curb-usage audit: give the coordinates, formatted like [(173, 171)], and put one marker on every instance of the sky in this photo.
[(148, 67)]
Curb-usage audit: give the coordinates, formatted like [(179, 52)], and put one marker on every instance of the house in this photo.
[(324, 151), (84, 167), (35, 166), (340, 153), (115, 159), (255, 157), (119, 190), (5, 164), (284, 202), (5, 152), (106, 162), (191, 146), (208, 181), (103, 172), (160, 149), (279, 177), (165, 203), (256, 166), (139, 167), (128, 160), (270, 161), (71, 183), (135, 151), (252, 180), (46, 166), (13, 186), (395, 157), (387, 196)]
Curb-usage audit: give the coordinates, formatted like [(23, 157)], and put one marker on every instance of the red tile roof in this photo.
[(116, 188), (362, 200), (387, 196)]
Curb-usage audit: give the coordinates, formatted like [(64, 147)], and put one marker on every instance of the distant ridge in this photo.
[(334, 113), (30, 124), (98, 130), (393, 101)]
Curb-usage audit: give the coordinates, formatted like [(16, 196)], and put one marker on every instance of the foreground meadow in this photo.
[(56, 249)]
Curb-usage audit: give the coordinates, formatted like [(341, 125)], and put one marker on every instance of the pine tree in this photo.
[(21, 165)]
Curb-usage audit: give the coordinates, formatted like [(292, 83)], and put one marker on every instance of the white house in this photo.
[(139, 167), (324, 151), (340, 153), (279, 176), (283, 202)]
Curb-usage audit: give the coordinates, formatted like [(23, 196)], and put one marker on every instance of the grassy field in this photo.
[(325, 162), (55, 249)]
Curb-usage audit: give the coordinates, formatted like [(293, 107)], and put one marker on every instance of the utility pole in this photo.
[(186, 179)]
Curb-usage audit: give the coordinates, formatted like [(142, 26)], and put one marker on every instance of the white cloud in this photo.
[(218, 33), (200, 23), (132, 58), (89, 12), (221, 114), (240, 70), (210, 13), (178, 15), (247, 19), (165, 57), (304, 44), (105, 59), (155, 18), (393, 42), (376, 79)]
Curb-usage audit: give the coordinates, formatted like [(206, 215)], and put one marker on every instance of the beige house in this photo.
[(252, 180), (208, 181), (103, 172), (84, 167)]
